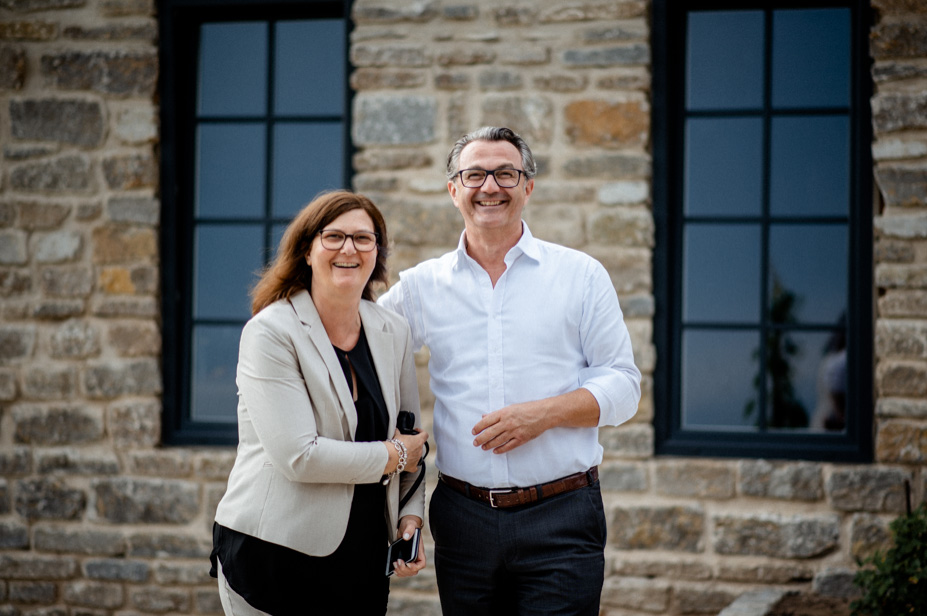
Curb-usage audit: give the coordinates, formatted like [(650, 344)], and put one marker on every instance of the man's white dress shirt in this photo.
[(551, 324)]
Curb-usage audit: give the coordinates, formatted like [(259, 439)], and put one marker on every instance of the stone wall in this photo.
[(96, 517)]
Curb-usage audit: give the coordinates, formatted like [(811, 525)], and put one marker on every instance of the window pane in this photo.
[(213, 393), (309, 68), (233, 69), (724, 166), (308, 158), (810, 166), (725, 60), (811, 58), (227, 259), (808, 273), (230, 171), (722, 274), (717, 379)]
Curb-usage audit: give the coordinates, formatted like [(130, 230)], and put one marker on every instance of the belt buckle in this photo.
[(492, 493)]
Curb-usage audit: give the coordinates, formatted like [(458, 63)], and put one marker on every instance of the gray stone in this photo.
[(29, 6), (121, 73), (902, 408), (640, 595), (57, 247), (890, 276), (508, 16), (593, 11), (528, 115), (901, 338), (135, 339), (147, 501), (118, 570), (66, 281), (902, 378), (754, 603), (623, 477), (15, 461), (836, 582), (886, 72), (137, 125), (49, 499), (12, 67), (125, 307), (694, 478), (7, 386), (382, 159), (394, 120), (622, 226), (94, 594), (903, 185), (38, 215), (76, 462), (57, 309), (894, 111), (71, 121), (140, 210), (657, 528), (169, 545), (33, 592), (624, 193), (775, 535), (420, 223), (186, 574), (625, 31), (156, 599), (389, 55), (500, 80), (71, 540), (800, 481), (112, 379), (66, 174), (561, 82), (628, 441), (14, 282), (50, 382), (608, 166), (701, 600), (16, 342), (392, 12), (134, 424), (13, 247), (13, 536), (636, 53), (75, 339), (905, 38), (27, 566), (130, 171), (146, 32), (461, 12)]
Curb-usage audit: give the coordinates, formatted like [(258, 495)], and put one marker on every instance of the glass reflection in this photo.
[(308, 158), (233, 69), (230, 170), (725, 60), (810, 166), (227, 259), (811, 58), (724, 173), (309, 61), (213, 395), (721, 278), (717, 377), (810, 261)]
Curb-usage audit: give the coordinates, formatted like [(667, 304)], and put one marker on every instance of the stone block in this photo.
[(15, 461), (902, 442), (94, 594), (66, 281), (57, 247), (383, 159), (50, 382), (702, 600), (625, 79), (609, 166), (161, 462), (134, 210), (893, 251), (550, 192), (117, 72), (208, 602), (76, 540), (75, 339), (421, 223), (607, 57), (55, 310), (903, 185), (637, 594), (389, 55), (88, 211), (466, 56), (135, 339), (134, 424), (701, 479), (169, 545), (626, 192), (39, 215), (898, 37), (765, 574), (28, 566), (903, 378), (895, 111), (629, 30), (129, 378), (49, 499), (629, 441), (897, 148), (76, 462), (903, 303), (16, 343), (146, 501), (801, 481), (776, 536), (145, 32), (136, 125), (561, 82), (394, 120), (499, 80), (33, 592), (902, 408), (617, 124), (14, 282), (182, 574), (7, 386), (13, 247), (623, 477), (675, 569), (12, 67), (512, 15), (130, 171), (68, 121), (126, 8), (867, 489), (528, 115), (378, 79), (901, 338), (460, 12), (32, 30), (66, 175), (836, 582), (117, 570), (678, 529), (393, 12), (562, 225), (125, 307), (631, 227), (13, 535)]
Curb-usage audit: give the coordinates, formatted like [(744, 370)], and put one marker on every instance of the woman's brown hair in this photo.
[(289, 273)]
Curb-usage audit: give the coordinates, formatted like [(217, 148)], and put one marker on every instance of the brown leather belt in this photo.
[(515, 497)]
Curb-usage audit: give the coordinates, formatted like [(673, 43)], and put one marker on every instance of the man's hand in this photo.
[(514, 425)]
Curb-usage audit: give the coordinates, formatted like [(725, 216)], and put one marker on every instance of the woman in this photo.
[(313, 496)]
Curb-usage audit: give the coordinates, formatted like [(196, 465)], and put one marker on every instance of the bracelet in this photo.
[(403, 457)]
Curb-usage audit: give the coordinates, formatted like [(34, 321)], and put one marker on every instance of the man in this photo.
[(529, 355)]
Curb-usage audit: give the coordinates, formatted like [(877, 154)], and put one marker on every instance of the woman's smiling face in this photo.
[(344, 271)]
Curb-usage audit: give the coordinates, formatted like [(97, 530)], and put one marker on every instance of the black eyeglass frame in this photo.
[(376, 236), (492, 172)]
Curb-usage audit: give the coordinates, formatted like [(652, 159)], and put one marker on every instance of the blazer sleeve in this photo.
[(409, 401), (277, 403)]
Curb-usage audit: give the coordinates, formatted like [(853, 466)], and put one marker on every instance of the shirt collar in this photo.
[(527, 245)]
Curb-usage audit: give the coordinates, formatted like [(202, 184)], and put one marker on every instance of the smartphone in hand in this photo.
[(402, 549)]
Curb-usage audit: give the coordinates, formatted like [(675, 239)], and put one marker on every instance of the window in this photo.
[(255, 124), (763, 205)]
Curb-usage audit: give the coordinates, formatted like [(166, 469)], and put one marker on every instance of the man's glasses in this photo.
[(505, 178), (364, 241)]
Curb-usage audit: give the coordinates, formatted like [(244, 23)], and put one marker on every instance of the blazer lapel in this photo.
[(381, 346), (312, 324)]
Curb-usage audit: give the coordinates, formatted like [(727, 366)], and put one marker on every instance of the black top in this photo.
[(277, 579)]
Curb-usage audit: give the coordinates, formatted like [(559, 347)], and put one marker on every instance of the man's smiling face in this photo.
[(491, 206)]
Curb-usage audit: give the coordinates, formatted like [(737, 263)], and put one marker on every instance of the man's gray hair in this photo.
[(492, 133)]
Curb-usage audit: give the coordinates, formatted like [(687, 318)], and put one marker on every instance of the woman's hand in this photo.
[(415, 446), (407, 526)]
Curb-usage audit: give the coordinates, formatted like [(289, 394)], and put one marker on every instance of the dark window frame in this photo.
[(855, 443), (179, 21)]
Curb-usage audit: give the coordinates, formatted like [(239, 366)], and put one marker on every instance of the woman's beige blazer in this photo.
[(294, 475)]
